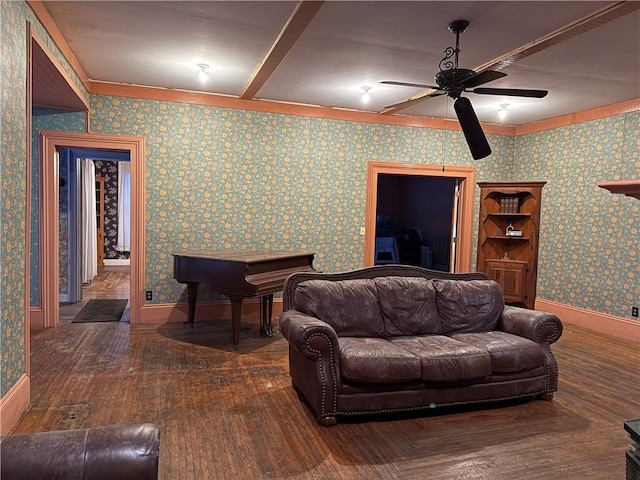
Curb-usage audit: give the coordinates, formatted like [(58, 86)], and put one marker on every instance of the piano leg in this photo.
[(236, 313), (192, 294), (266, 312)]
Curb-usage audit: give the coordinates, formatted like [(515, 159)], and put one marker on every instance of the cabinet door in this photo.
[(512, 279)]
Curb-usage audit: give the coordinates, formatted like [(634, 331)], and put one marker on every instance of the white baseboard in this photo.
[(64, 297), (110, 262), (600, 322)]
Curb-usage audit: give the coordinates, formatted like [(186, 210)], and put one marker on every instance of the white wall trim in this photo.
[(14, 403), (600, 322), (108, 262)]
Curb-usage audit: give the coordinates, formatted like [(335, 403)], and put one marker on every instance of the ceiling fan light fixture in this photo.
[(365, 97), (502, 112), (203, 75)]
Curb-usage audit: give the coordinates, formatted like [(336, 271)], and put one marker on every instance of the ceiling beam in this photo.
[(589, 22), (295, 26)]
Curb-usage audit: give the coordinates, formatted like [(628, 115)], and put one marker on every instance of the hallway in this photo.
[(111, 282)]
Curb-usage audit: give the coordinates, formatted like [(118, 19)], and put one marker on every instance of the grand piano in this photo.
[(238, 275)]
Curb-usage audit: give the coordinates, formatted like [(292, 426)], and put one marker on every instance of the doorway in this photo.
[(459, 181), (50, 144), (415, 215), (94, 228)]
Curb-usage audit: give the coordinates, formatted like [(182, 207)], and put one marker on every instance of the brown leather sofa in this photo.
[(123, 452), (397, 338)]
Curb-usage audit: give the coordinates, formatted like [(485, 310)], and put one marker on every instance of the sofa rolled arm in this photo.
[(308, 335), (126, 452), (541, 327)]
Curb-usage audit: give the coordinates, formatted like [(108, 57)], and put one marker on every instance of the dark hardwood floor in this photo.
[(227, 414)]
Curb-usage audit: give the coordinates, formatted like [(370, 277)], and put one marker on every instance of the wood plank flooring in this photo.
[(111, 282), (227, 414)]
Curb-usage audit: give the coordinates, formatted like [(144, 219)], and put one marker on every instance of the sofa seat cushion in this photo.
[(468, 305), (408, 306), (376, 360), (509, 353), (349, 306), (445, 359)]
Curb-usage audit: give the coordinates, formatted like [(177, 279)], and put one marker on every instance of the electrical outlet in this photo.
[(362, 231), (634, 311), (149, 295)]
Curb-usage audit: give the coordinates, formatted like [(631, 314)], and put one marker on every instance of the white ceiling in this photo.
[(351, 44)]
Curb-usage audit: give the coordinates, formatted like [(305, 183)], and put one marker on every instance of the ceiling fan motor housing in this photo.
[(448, 79)]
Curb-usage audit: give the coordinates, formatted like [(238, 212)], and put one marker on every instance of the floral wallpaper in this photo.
[(109, 170), (12, 194), (63, 227), (222, 178), (14, 16), (589, 238), (49, 119)]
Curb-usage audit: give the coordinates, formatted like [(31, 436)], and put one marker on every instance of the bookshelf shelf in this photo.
[(500, 214), (504, 237)]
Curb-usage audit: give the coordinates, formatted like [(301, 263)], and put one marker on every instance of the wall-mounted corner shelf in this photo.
[(630, 188)]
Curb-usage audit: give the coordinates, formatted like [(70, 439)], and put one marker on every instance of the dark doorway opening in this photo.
[(415, 219)]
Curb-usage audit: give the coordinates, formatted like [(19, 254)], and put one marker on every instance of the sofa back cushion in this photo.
[(349, 306), (468, 305), (408, 306)]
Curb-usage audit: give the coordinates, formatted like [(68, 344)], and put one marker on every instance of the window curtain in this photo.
[(124, 207), (89, 227)]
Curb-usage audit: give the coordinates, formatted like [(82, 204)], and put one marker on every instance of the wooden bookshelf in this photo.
[(508, 237)]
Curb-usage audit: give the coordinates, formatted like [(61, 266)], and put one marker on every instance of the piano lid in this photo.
[(242, 256)]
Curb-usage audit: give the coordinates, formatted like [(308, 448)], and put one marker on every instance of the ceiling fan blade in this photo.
[(411, 101), (511, 92), (407, 84), (471, 128), (482, 77)]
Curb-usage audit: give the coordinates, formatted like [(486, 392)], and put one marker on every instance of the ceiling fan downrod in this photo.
[(457, 27)]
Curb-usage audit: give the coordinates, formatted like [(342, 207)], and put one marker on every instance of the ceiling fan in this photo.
[(454, 81)]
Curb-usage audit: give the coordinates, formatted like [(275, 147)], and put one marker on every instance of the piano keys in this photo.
[(239, 274)]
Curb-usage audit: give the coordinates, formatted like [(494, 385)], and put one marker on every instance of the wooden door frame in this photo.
[(467, 176), (49, 265)]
